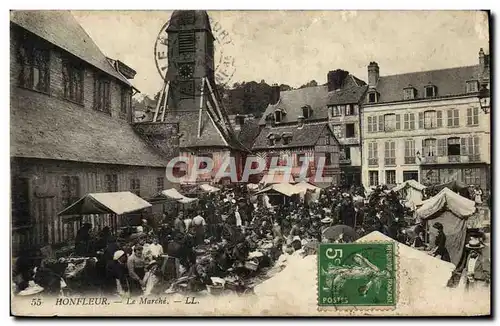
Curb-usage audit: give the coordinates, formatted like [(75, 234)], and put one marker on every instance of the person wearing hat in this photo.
[(179, 224), (116, 274), (82, 240), (478, 266), (440, 243), (135, 266)]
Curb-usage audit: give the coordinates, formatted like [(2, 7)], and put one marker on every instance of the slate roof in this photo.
[(60, 130), (292, 102), (189, 19), (347, 96), (306, 136), (449, 82), (317, 97), (60, 28), (248, 132)]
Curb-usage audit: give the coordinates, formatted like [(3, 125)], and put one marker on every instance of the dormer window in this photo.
[(430, 91), (272, 138), (409, 93), (306, 111), (472, 86), (300, 121), (287, 137), (278, 115), (240, 120), (373, 97)]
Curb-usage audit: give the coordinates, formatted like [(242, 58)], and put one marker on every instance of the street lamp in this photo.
[(484, 99)]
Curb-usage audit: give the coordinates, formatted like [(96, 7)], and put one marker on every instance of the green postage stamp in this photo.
[(357, 275)]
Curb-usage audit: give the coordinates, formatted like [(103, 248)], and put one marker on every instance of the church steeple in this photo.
[(190, 58)]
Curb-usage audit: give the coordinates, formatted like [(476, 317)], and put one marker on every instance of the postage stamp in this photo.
[(357, 275)]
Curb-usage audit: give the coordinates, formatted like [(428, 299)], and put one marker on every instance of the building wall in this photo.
[(56, 79), (481, 130), (338, 124), (45, 186)]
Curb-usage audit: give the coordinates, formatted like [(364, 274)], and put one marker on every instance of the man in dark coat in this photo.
[(82, 240)]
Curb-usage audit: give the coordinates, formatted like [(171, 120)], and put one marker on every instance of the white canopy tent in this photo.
[(277, 176), (208, 188), (412, 191), (172, 193), (106, 203)]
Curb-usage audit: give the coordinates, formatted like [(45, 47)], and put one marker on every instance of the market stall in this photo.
[(452, 211), (411, 191)]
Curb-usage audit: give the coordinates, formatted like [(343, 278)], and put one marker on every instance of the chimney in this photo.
[(239, 120), (300, 120), (275, 94), (336, 78), (373, 74), (484, 66)]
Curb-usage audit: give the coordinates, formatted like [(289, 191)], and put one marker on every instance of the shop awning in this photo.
[(304, 186), (106, 203)]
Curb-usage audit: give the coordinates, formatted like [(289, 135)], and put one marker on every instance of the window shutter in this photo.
[(406, 121), (476, 145), (343, 130), (449, 115), (463, 146), (469, 116), (423, 148), (470, 146), (375, 150), (476, 116), (421, 120), (439, 119), (387, 149), (442, 150), (381, 123), (456, 116), (412, 121), (370, 124), (398, 121)]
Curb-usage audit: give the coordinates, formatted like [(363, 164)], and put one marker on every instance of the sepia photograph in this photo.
[(281, 163)]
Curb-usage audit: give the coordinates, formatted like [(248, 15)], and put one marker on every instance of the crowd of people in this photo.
[(231, 233)]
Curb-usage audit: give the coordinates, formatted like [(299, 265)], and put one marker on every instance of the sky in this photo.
[(294, 47)]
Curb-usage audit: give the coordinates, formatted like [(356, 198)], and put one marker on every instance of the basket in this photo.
[(215, 289)]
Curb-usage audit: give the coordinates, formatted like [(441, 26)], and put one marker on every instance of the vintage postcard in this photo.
[(250, 163)]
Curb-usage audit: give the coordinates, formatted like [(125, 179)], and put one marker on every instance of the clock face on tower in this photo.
[(186, 71)]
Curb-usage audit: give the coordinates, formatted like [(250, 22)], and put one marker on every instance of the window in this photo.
[(430, 119), (186, 89), (187, 41), (278, 116), (429, 147), (102, 98), (337, 131), (390, 152), (179, 170), (328, 159), (204, 164), (126, 98), (350, 130), (409, 151), (390, 177), (72, 74), (409, 121), (472, 176), (350, 109), (35, 66), (409, 93), (453, 147), (20, 201), (300, 159), (410, 175), (390, 122), (373, 176), (372, 97), (431, 176), (372, 124), (472, 116), (286, 138), (70, 190), (453, 118), (111, 182), (472, 86), (272, 138), (306, 112), (372, 154), (135, 186), (430, 91), (336, 112), (344, 153), (160, 184)]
